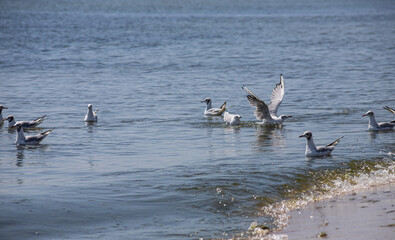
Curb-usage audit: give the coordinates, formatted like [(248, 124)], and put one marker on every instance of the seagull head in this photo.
[(90, 106), (237, 116), (9, 118), (307, 135), (207, 100), (2, 107), (368, 113)]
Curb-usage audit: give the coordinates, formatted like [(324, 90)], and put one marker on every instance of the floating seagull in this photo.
[(373, 125), (29, 140), (24, 124), (313, 151), (268, 113), (210, 111), (91, 115), (1, 110), (231, 119)]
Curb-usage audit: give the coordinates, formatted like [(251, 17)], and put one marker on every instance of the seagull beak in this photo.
[(302, 136), (289, 116), (364, 115)]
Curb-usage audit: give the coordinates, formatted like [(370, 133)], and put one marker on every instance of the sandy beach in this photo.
[(368, 214)]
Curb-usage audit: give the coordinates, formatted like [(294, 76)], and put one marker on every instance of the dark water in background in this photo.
[(153, 166)]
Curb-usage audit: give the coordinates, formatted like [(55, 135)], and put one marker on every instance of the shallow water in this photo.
[(154, 166)]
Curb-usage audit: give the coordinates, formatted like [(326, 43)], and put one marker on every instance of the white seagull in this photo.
[(29, 140), (210, 111), (24, 124), (320, 151), (91, 115), (231, 119), (373, 125), (268, 113), (1, 110)]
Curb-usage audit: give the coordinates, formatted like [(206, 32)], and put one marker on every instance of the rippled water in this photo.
[(153, 166)]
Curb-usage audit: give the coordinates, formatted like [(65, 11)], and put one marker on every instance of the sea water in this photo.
[(153, 167)]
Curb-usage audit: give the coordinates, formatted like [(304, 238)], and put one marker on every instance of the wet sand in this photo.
[(368, 214)]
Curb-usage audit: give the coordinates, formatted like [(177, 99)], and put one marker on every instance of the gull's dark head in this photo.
[(307, 135), (237, 116), (18, 126), (2, 107), (207, 100), (368, 113), (9, 118)]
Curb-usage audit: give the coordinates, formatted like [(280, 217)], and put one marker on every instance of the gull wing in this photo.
[(262, 110), (277, 97), (389, 109), (333, 144), (38, 138), (387, 124)]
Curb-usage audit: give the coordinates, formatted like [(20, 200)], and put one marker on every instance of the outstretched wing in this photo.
[(262, 111), (277, 97)]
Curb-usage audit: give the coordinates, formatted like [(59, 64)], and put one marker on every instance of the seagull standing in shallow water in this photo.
[(373, 125), (91, 115), (210, 111), (1, 110), (232, 119), (268, 113), (24, 124), (320, 151), (29, 140)]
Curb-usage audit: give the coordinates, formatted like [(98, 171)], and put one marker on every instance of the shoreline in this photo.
[(365, 214)]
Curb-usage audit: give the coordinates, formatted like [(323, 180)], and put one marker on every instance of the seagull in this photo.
[(91, 115), (231, 119), (320, 151), (29, 140), (24, 124), (268, 113), (373, 125), (1, 110), (210, 111)]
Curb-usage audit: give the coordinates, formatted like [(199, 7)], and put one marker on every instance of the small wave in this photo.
[(323, 185)]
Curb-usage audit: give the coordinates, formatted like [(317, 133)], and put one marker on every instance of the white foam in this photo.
[(382, 174)]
